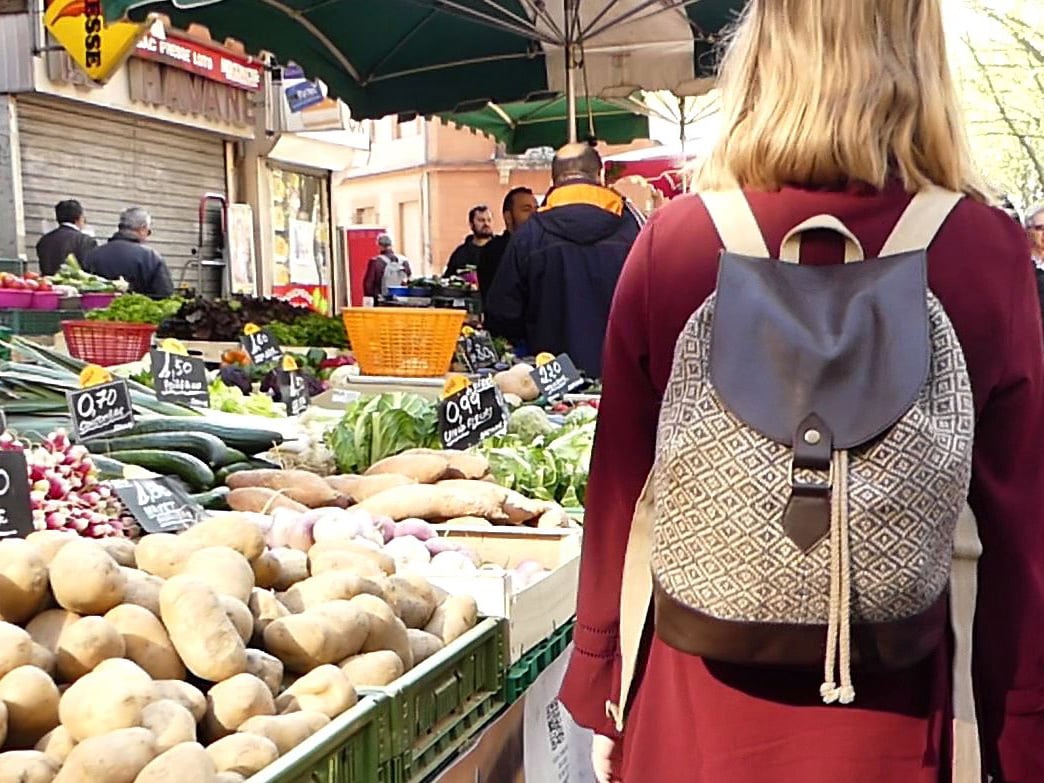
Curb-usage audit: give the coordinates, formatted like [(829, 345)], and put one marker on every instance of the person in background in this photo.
[(68, 239), (1035, 231), (466, 256), (556, 280), (126, 255), (519, 206), (385, 270)]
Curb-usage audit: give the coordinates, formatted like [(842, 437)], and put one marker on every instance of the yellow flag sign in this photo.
[(98, 48)]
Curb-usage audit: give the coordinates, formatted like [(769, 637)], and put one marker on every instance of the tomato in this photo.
[(17, 284), (45, 285), (32, 275), (32, 285)]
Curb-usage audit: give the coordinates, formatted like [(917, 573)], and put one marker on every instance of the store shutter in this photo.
[(110, 160)]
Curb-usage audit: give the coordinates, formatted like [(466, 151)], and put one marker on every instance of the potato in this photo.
[(116, 757), (201, 632), (325, 689), (32, 701), (188, 696), (261, 500), (229, 530), (146, 641), (85, 644), (46, 628), (359, 488), (48, 542), (385, 563), (164, 554), (240, 616), (16, 647), (243, 754), (455, 616), (301, 486), (264, 607), (57, 743), (387, 632), (373, 670), (519, 382), (412, 598), (44, 659), (120, 549), (23, 580), (329, 586), (438, 501), (224, 569), (423, 644), (142, 589), (170, 723), (27, 766), (293, 567), (266, 668), (326, 634), (184, 763), (286, 731), (344, 561), (109, 698), (85, 579), (234, 701), (266, 569), (230, 777), (3, 723)]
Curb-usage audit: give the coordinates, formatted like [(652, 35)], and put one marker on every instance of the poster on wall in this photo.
[(301, 238), (241, 259), (302, 252)]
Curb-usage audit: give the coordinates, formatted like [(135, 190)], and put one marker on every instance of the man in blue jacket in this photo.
[(556, 281), (126, 255)]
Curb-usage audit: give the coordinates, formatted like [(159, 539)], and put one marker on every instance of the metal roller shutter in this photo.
[(110, 161)]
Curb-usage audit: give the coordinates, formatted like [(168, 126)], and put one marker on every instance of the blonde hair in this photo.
[(823, 93)]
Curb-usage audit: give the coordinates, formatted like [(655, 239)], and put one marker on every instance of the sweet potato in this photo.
[(453, 618), (231, 530), (233, 702), (326, 634), (32, 700), (164, 554), (424, 468), (170, 723), (387, 632), (142, 589), (438, 501), (146, 641), (286, 731), (301, 486), (16, 647), (85, 644), (359, 488), (116, 757), (27, 766), (373, 670), (188, 696), (261, 500), (85, 579), (184, 763), (23, 580), (224, 569), (462, 464), (109, 698), (325, 689), (467, 522), (57, 743), (201, 632), (243, 754)]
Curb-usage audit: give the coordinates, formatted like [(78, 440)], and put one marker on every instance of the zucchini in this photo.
[(215, 499), (201, 445), (222, 475), (247, 441), (189, 469), (107, 468)]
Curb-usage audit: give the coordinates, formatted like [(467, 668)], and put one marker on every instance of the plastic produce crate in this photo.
[(349, 749), (13, 266), (37, 323), (440, 704), (525, 672)]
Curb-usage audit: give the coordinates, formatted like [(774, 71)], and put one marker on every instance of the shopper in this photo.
[(127, 255), (68, 239), (385, 270), (519, 206), (466, 255), (1035, 231), (838, 109), (556, 280)]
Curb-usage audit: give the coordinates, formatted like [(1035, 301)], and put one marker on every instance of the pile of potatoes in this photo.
[(195, 658)]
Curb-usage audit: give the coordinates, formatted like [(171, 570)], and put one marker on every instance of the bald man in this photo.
[(555, 283)]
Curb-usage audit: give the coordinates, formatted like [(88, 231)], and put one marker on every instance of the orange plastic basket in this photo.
[(403, 342), (107, 342)]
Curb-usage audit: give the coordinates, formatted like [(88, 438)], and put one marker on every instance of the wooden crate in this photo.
[(533, 612)]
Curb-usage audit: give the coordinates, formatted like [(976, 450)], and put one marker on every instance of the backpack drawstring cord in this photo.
[(839, 621)]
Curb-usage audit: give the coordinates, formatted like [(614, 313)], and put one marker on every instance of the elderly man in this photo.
[(126, 255), (1035, 230)]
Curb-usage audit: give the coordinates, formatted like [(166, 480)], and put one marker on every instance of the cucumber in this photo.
[(222, 475), (247, 441), (232, 456), (189, 469), (201, 445), (215, 499), (107, 468)]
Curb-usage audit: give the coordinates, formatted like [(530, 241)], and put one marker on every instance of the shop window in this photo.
[(301, 238), (365, 216)]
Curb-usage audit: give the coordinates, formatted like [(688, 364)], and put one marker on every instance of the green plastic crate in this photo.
[(13, 266), (445, 701), (349, 749), (531, 665), (37, 323)]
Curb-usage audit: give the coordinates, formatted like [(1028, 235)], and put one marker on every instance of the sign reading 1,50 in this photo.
[(174, 366), (87, 405)]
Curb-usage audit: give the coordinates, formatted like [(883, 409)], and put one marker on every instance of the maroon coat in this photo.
[(698, 721)]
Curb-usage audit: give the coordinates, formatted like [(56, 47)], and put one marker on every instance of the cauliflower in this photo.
[(530, 422)]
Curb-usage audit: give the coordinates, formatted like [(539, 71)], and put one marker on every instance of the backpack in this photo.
[(812, 464), (394, 273)]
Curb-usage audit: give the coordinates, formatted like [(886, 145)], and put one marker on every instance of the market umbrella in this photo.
[(428, 56), (543, 122)]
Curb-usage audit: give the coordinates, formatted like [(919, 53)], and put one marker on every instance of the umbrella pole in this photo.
[(571, 9)]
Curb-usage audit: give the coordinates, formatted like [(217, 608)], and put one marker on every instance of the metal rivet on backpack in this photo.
[(812, 437)]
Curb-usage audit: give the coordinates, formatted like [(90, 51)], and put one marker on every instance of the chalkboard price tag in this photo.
[(557, 378), (180, 379), (159, 505), (469, 416), (293, 391), (477, 352), (16, 513), (101, 410), (262, 347)]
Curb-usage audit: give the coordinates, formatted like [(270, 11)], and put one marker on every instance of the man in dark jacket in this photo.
[(555, 283), (466, 256), (519, 206), (126, 255), (68, 239)]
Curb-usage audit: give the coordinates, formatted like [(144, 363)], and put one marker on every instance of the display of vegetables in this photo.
[(72, 275), (223, 320), (137, 308), (231, 399), (384, 425)]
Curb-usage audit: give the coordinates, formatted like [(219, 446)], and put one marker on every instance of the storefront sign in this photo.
[(102, 410), (186, 93), (159, 505), (210, 62), (303, 94), (16, 515), (96, 47)]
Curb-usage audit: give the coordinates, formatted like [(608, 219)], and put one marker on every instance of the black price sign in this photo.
[(102, 410), (16, 513), (262, 347), (471, 415), (293, 391), (180, 379), (558, 377), (477, 351), (159, 505)]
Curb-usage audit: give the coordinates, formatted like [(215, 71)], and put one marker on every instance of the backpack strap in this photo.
[(790, 249), (735, 223), (966, 758), (921, 221)]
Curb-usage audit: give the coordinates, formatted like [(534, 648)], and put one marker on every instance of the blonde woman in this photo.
[(844, 108)]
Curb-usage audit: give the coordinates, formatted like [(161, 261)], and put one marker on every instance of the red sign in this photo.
[(316, 297), (208, 61)]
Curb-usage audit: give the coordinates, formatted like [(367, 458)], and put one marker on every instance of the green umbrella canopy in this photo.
[(523, 125), (429, 56)]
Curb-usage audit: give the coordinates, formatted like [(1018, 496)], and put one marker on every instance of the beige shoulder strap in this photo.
[(966, 762), (921, 221), (735, 223)]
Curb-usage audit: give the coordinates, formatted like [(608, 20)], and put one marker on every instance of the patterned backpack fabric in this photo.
[(813, 459)]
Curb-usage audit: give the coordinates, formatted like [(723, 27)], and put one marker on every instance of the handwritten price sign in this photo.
[(180, 379), (101, 410), (557, 378), (471, 415)]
